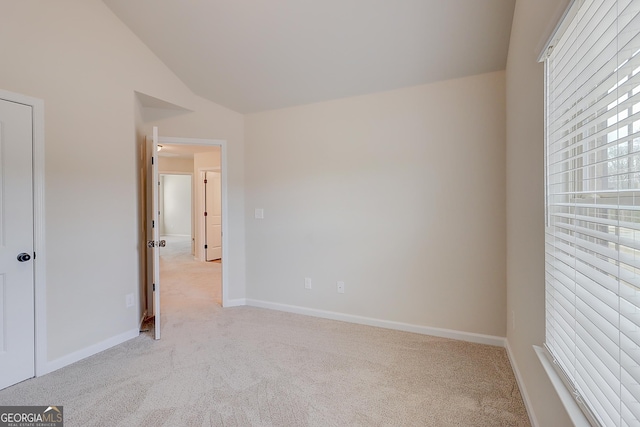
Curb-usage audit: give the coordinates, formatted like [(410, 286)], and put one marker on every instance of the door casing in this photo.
[(40, 304)]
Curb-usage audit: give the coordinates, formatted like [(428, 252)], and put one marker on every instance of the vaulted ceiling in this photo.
[(255, 55)]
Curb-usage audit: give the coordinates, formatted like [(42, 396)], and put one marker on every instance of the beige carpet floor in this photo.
[(247, 366), (180, 272)]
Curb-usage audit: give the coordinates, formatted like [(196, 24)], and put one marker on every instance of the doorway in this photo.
[(176, 226), (176, 205), (185, 243)]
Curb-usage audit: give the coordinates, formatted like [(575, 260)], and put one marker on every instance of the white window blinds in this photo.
[(593, 207)]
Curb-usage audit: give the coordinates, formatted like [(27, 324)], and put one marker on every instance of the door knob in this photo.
[(159, 243), (23, 257)]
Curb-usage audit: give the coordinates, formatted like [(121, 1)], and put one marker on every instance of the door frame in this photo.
[(192, 207), (39, 262), (225, 205)]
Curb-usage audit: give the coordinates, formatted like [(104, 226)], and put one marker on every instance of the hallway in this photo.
[(185, 282)]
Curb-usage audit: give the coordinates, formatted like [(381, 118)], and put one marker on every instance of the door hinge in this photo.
[(205, 246), (153, 224), (154, 287), (205, 181), (34, 255), (151, 159), (205, 214)]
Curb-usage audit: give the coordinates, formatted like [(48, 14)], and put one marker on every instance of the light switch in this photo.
[(259, 213)]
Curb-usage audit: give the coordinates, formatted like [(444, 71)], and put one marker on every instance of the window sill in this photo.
[(570, 405)]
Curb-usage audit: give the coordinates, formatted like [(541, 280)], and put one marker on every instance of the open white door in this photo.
[(153, 226), (213, 215), (17, 313)]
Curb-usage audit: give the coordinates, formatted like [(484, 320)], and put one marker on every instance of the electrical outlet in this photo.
[(129, 300), (307, 283), (340, 287), (259, 213)]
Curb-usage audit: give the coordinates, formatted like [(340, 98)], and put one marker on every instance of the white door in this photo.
[(213, 215), (17, 316), (153, 226)]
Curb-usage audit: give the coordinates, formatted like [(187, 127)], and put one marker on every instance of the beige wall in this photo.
[(533, 21), (207, 160), (85, 64), (400, 194), (175, 164), (176, 205)]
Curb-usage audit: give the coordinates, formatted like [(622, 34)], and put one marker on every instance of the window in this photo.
[(592, 242)]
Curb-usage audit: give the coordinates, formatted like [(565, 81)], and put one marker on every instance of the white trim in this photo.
[(225, 203), (523, 390), (570, 405), (239, 302), (90, 351), (387, 324), (40, 261)]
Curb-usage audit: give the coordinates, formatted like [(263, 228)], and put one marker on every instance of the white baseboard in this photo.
[(234, 302), (89, 351), (523, 389), (387, 324)]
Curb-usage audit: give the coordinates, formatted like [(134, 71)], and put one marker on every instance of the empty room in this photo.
[(420, 212)]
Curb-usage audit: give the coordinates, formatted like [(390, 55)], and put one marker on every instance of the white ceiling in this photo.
[(255, 55)]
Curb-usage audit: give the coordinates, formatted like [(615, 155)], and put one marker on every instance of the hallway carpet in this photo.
[(247, 366), (179, 271)]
